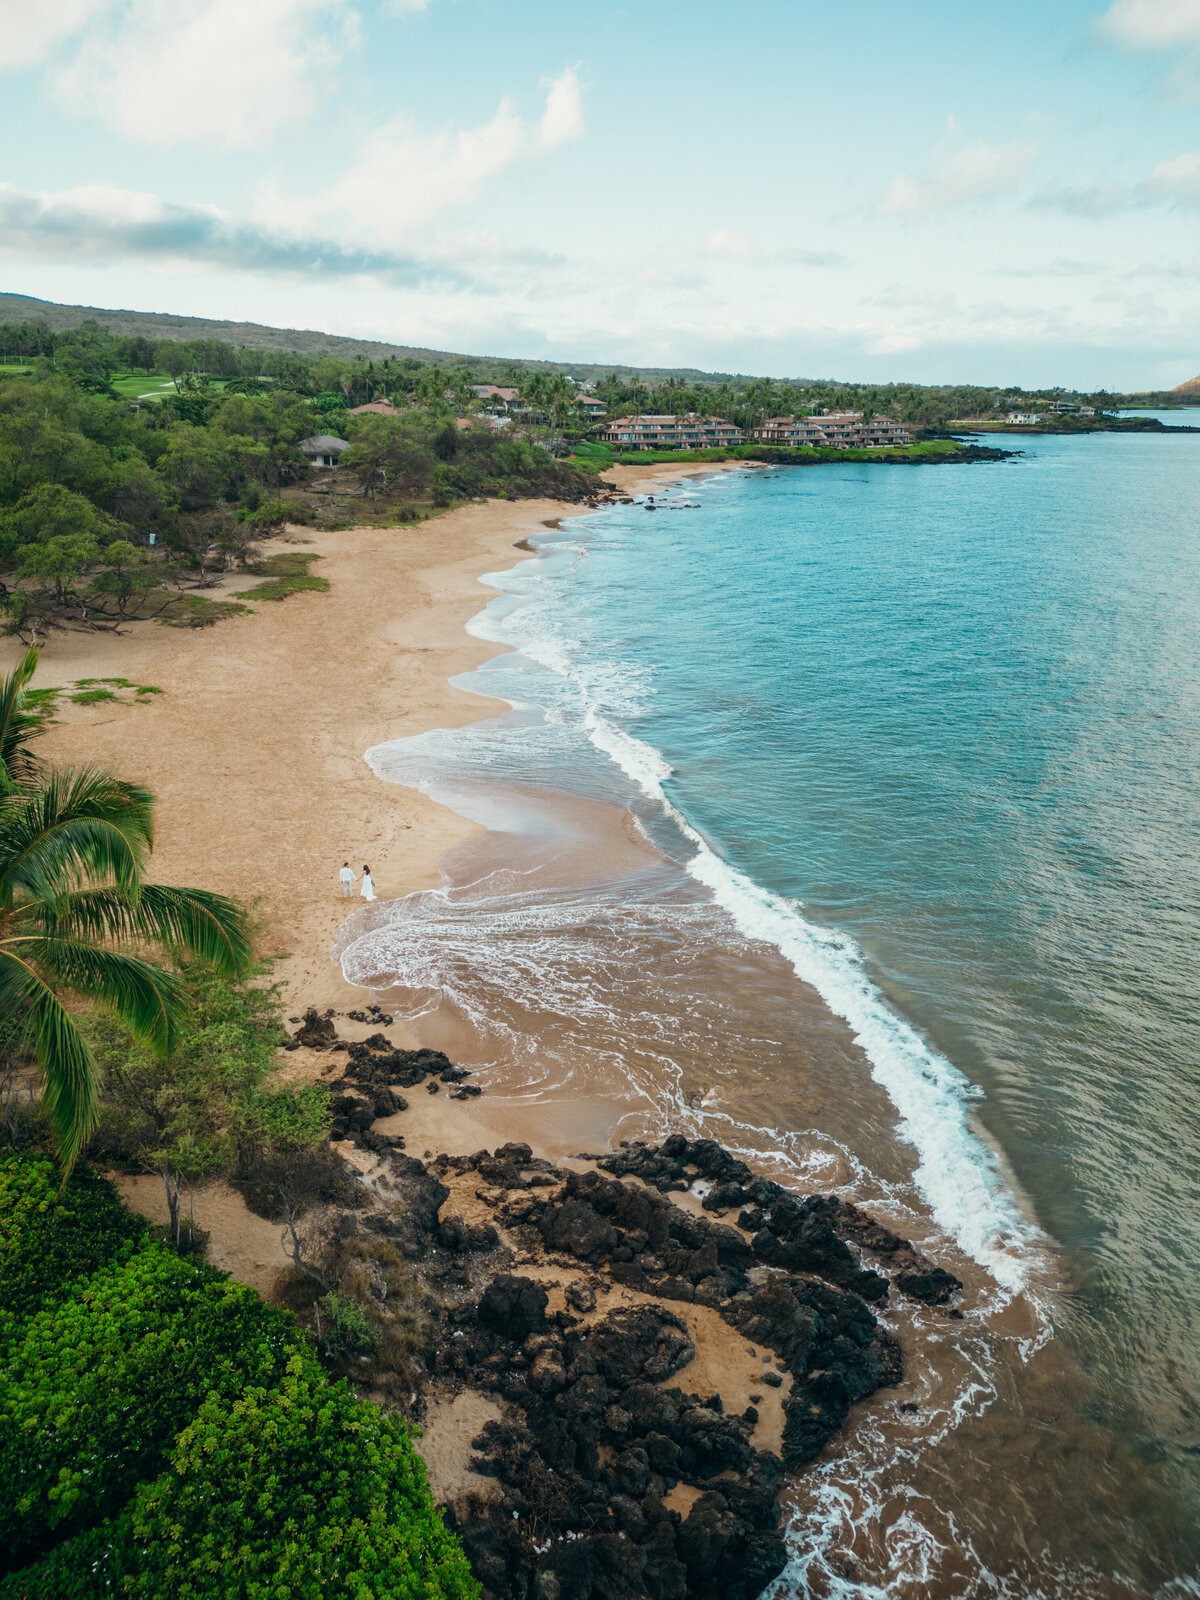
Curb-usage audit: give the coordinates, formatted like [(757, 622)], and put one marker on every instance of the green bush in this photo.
[(50, 1239), (99, 1385), (158, 1394), (298, 1491)]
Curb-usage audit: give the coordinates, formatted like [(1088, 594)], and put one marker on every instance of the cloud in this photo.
[(562, 120), (737, 246), (811, 258), (1060, 267), (1176, 180), (1152, 24), (976, 173), (103, 223), (729, 242), (28, 33), (220, 72), (1090, 200), (401, 179)]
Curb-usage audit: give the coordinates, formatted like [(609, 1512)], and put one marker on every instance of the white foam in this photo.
[(957, 1174)]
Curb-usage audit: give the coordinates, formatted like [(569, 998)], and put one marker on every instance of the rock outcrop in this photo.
[(610, 1476)]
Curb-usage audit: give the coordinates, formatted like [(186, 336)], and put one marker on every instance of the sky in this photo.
[(881, 192)]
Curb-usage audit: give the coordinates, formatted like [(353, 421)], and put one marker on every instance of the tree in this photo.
[(59, 561), (385, 455), (126, 580), (21, 719), (210, 1106), (74, 909), (51, 511)]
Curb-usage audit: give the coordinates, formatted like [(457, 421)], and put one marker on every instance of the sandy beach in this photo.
[(254, 751), (254, 748)]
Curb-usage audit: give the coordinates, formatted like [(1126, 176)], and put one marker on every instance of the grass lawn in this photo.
[(135, 384), (286, 573), (139, 385)]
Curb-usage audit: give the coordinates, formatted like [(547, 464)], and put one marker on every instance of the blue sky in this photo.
[(882, 191)]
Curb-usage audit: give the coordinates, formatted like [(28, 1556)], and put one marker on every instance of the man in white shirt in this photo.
[(347, 877)]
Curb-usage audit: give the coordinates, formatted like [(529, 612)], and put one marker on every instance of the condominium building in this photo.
[(844, 430), (671, 433)]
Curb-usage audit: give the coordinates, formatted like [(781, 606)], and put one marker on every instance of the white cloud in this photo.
[(100, 222), (735, 246), (729, 242), (562, 119), (29, 32), (976, 173), (401, 179), (1152, 24), (1179, 178), (224, 72)]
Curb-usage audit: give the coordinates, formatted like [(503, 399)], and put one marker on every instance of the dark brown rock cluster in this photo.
[(609, 1480)]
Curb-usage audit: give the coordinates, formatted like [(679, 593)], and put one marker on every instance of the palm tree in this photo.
[(77, 916), (20, 720)]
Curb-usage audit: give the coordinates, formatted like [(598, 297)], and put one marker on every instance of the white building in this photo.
[(323, 449)]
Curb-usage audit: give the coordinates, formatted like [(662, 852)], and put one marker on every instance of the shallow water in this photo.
[(919, 743)]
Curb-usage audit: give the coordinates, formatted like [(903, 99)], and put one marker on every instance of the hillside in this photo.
[(307, 341)]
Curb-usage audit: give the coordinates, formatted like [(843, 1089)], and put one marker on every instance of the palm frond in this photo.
[(19, 723), (69, 1073), (77, 824), (148, 1000), (187, 921)]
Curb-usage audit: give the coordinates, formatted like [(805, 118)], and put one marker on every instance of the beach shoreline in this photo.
[(254, 748)]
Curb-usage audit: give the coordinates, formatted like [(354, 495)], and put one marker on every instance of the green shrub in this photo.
[(346, 1328), (50, 1239), (99, 1385), (301, 1491), (298, 1491)]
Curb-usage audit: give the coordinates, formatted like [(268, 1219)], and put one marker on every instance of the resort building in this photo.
[(844, 430), (323, 449), (790, 430), (671, 433), (590, 407), (498, 399), (1023, 419)]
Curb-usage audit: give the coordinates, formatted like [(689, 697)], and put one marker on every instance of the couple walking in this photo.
[(366, 889)]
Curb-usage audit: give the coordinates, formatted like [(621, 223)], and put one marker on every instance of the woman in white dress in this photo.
[(367, 887)]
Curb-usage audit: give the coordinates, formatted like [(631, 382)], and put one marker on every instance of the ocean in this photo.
[(849, 815)]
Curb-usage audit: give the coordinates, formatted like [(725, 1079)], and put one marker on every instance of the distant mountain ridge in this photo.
[(308, 341), (1192, 386)]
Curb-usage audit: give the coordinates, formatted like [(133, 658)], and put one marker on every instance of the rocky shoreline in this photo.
[(568, 1302)]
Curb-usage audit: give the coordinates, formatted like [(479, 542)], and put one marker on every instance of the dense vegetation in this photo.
[(164, 1433), (132, 469), (120, 493)]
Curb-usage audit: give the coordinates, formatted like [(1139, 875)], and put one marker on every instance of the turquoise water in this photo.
[(956, 714), (933, 734)]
